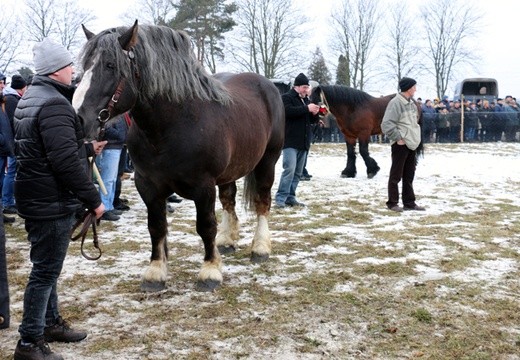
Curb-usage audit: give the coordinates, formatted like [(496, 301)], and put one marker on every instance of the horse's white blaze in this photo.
[(212, 270), (228, 230), (156, 272), (262, 238), (81, 90)]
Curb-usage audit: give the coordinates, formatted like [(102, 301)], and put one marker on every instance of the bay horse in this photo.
[(190, 133), (359, 116)]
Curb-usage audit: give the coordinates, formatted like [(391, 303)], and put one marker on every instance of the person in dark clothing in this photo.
[(470, 122), (51, 186), (300, 114), (12, 96), (6, 138), (4, 284), (429, 118), (108, 164)]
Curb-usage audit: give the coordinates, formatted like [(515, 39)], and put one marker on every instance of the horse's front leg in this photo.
[(210, 276), (228, 230), (372, 167), (154, 278), (350, 169)]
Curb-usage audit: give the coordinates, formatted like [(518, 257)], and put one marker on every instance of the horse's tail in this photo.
[(419, 152), (250, 191)]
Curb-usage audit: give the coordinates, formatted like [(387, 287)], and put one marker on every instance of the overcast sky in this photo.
[(499, 38)]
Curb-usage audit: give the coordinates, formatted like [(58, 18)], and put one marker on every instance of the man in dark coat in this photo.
[(12, 94), (51, 186), (299, 115)]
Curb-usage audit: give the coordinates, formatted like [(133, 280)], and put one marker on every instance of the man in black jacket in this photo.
[(51, 185), (299, 115)]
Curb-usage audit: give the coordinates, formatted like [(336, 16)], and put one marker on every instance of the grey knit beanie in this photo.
[(50, 57)]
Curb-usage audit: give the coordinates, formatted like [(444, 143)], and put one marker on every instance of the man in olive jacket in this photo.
[(51, 185), (400, 125)]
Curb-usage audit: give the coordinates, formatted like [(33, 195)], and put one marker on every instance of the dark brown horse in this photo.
[(191, 133), (359, 116)]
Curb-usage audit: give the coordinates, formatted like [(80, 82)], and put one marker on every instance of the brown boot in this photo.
[(39, 350), (62, 332)]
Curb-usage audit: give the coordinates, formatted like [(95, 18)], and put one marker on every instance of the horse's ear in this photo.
[(89, 34), (129, 39)]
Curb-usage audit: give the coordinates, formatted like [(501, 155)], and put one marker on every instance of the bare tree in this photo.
[(40, 19), (448, 24), (356, 27), (60, 19), (151, 12), (401, 53), (267, 37), (10, 41), (68, 23)]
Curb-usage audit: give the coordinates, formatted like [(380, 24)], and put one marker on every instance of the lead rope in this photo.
[(88, 219)]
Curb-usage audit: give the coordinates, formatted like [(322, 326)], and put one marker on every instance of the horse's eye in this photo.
[(111, 66)]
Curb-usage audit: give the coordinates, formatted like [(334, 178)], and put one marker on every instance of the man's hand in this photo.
[(401, 142), (313, 108), (98, 146), (99, 210)]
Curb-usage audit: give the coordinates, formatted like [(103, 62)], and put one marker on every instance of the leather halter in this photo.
[(324, 100), (106, 113)]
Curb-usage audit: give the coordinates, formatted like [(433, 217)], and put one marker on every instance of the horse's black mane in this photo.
[(345, 94), (165, 61)]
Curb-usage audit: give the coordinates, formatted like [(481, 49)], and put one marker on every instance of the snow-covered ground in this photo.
[(457, 182)]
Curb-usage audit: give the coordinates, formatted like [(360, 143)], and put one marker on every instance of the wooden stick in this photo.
[(98, 177)]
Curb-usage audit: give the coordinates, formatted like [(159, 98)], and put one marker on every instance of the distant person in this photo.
[(108, 164), (6, 139), (12, 96), (51, 186), (400, 125), (299, 116)]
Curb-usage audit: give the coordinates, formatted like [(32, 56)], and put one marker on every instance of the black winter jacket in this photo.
[(51, 155), (6, 135), (298, 120)]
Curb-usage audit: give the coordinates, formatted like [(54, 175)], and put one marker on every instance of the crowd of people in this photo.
[(482, 120), (444, 121)]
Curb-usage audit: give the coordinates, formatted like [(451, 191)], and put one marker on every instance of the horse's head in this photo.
[(110, 78), (316, 95)]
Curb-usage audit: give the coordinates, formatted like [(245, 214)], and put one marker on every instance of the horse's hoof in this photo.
[(343, 175), (153, 286), (257, 258), (207, 285), (371, 175), (226, 249)]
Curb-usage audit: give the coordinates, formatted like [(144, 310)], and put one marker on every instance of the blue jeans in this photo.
[(8, 186), (293, 163), (49, 243), (108, 163)]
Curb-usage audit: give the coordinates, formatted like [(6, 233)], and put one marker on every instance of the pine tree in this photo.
[(318, 70), (342, 72)]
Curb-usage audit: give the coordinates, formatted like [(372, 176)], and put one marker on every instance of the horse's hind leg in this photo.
[(154, 278), (258, 192), (372, 167), (228, 230), (210, 276), (350, 170)]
